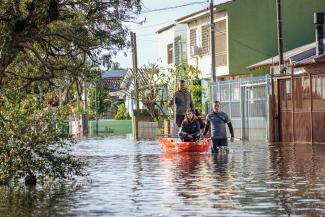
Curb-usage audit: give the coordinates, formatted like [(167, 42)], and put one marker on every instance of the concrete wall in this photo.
[(148, 130), (110, 127)]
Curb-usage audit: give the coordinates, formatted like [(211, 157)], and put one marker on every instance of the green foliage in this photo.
[(122, 113), (32, 141), (151, 91), (50, 48), (99, 100), (184, 72), (46, 40), (196, 91), (115, 66), (191, 75)]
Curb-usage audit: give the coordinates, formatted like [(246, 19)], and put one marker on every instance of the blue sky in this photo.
[(146, 34)]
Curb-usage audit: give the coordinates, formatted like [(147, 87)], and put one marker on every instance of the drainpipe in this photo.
[(319, 22)]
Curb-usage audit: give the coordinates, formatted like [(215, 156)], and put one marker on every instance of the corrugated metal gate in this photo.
[(302, 111), (246, 101)]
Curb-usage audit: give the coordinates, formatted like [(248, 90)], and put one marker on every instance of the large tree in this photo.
[(48, 39), (46, 46)]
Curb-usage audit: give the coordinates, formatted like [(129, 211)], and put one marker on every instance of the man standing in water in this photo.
[(218, 120), (183, 101)]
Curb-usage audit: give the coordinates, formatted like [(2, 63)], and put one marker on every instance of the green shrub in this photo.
[(33, 143), (121, 113)]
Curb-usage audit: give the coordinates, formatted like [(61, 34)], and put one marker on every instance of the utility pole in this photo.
[(96, 109), (212, 42), (136, 83), (276, 106), (280, 35), (84, 115)]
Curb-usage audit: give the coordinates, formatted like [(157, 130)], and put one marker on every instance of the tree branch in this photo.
[(38, 56)]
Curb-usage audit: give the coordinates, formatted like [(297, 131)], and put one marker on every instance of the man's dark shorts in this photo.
[(217, 143), (179, 120)]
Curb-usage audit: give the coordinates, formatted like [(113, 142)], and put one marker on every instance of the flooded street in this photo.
[(127, 178)]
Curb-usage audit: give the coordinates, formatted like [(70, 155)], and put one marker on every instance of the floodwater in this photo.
[(128, 178)]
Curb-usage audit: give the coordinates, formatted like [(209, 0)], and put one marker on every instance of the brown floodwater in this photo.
[(128, 178)]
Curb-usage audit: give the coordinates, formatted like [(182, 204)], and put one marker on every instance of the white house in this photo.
[(172, 44), (198, 46)]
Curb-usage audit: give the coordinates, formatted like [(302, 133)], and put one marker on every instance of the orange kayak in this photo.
[(169, 145)]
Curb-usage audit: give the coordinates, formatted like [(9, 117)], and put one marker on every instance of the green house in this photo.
[(246, 33)]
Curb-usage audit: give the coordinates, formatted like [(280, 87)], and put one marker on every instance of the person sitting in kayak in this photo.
[(190, 128)]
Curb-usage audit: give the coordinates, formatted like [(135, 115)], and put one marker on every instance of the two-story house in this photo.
[(172, 44), (246, 33)]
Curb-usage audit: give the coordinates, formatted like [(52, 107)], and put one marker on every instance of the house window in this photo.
[(170, 53), (221, 43), (179, 54), (192, 41), (205, 39)]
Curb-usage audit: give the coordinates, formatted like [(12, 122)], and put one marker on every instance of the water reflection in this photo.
[(187, 177), (299, 178), (128, 178), (31, 201)]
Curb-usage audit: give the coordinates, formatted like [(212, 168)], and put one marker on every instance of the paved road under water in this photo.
[(135, 179)]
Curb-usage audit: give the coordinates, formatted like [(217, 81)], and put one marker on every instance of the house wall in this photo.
[(168, 37), (130, 105), (165, 38), (252, 32), (203, 62)]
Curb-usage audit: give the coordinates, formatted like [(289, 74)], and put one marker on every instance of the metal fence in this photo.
[(302, 107), (246, 101)]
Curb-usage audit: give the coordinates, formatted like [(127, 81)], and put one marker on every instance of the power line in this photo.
[(153, 25), (172, 7), (146, 7), (244, 44), (145, 35), (161, 9), (153, 41)]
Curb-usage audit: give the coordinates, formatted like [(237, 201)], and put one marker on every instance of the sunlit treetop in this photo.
[(47, 39)]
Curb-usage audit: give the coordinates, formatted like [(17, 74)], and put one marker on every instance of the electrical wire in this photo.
[(172, 7), (144, 6), (153, 41), (146, 35), (153, 25), (203, 4)]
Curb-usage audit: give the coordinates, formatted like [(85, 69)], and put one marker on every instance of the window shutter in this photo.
[(170, 53), (221, 43), (192, 40), (205, 39), (178, 50)]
